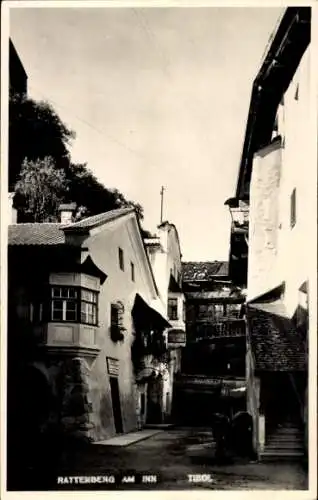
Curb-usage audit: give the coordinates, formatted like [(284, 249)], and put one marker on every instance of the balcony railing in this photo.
[(208, 330)]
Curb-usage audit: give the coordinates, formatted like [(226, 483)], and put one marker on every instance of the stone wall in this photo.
[(76, 404)]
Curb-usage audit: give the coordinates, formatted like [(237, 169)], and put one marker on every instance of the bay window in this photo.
[(73, 304)]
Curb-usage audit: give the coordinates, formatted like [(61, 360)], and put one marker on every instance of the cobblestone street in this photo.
[(175, 457)]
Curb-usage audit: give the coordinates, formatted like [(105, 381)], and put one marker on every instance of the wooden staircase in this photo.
[(284, 442)]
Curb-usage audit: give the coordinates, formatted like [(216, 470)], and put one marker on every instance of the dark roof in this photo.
[(36, 234), (173, 285), (45, 233), (216, 295), (89, 267), (275, 341), (271, 296), (279, 66), (143, 313), (204, 271), (17, 74), (97, 220)]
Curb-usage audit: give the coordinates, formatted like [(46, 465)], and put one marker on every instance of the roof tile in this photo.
[(276, 343), (46, 233), (96, 220), (203, 271), (36, 234)]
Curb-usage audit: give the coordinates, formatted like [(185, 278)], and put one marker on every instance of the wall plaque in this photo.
[(112, 367)]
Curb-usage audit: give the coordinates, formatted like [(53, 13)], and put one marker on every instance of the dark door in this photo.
[(116, 404)]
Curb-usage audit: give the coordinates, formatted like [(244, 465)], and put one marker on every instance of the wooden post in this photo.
[(161, 208)]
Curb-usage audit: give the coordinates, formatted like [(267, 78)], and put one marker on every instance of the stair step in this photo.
[(281, 456), (287, 435), (287, 430), (280, 439), (283, 453), (284, 448), (284, 444), (275, 437)]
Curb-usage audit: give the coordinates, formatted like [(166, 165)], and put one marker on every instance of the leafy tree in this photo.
[(88, 192), (39, 142), (40, 190), (35, 131)]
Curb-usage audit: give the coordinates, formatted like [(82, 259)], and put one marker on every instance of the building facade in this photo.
[(85, 328), (165, 257), (212, 377), (271, 250)]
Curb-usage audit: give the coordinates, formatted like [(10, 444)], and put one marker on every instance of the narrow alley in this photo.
[(160, 263)]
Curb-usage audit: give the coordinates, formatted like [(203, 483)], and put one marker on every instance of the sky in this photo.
[(157, 97)]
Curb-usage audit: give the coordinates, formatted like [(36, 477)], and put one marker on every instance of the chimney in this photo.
[(66, 211), (13, 213)]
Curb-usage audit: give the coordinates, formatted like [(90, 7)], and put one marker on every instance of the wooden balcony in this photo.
[(225, 329)]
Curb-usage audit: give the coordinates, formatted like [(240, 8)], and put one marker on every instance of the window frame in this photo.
[(132, 271), (78, 302), (233, 310), (93, 303), (218, 310), (121, 259), (173, 311), (117, 326), (293, 208)]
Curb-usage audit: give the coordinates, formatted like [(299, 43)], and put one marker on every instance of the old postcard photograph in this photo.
[(158, 247)]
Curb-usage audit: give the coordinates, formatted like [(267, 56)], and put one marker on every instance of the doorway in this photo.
[(114, 388), (154, 401)]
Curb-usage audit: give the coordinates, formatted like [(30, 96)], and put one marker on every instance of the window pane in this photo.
[(57, 304), (70, 315), (233, 310), (87, 295), (293, 208), (72, 293), (71, 306), (56, 291), (132, 271), (88, 313), (121, 258), (173, 308), (40, 312), (202, 311), (94, 315), (218, 309), (57, 315), (84, 312)]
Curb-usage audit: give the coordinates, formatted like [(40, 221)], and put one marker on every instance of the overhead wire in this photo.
[(103, 133), (165, 60)]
